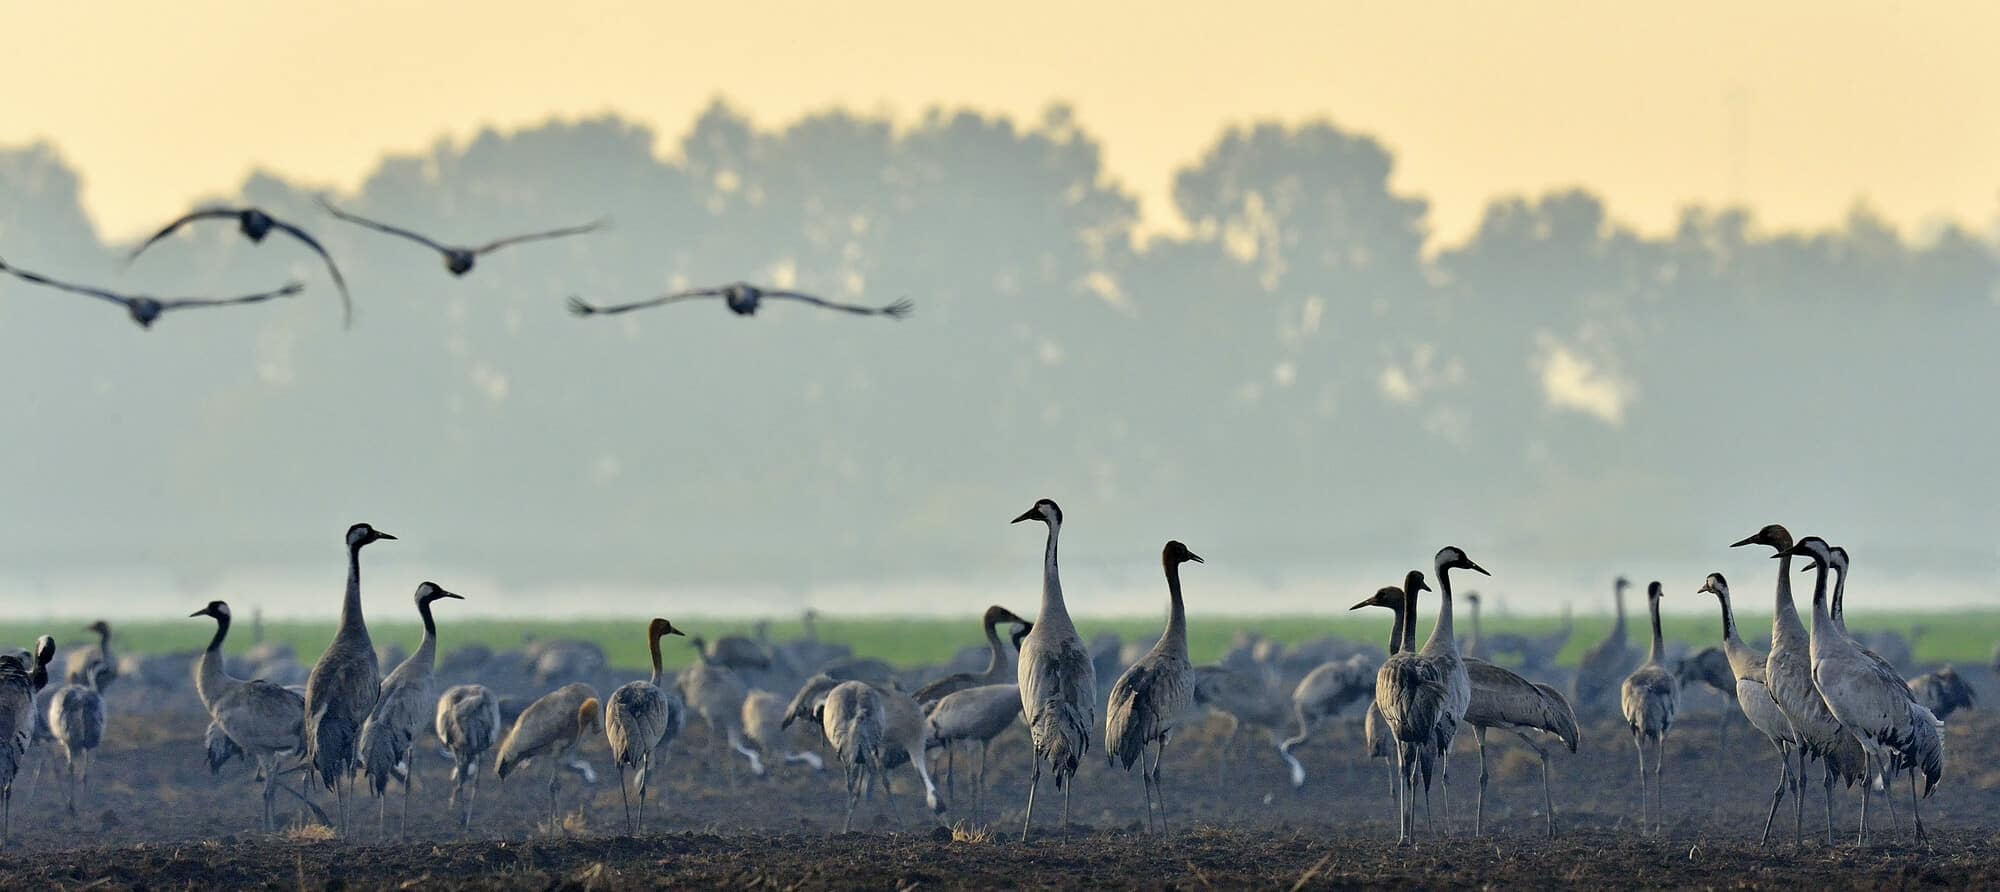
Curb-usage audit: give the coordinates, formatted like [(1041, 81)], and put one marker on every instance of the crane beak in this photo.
[(201, 612), (1746, 540), (1196, 558), (1030, 514), (1368, 603), (382, 535), (1476, 568), (453, 595), (675, 630)]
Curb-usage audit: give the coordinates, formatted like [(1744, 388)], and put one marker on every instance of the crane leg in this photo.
[(1829, 800), (382, 812), (1778, 795), (409, 780), (555, 777), (1159, 789), (1659, 784), (889, 795), (1641, 747), (1403, 796), (1799, 799), (979, 783), (1479, 809), (950, 771), (645, 786), (1889, 796), (270, 791), (1917, 813), (1867, 793), (853, 796), (1029, 820), (623, 799)]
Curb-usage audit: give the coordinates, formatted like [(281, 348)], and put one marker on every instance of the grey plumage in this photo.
[(1155, 694), (1442, 648), (1944, 692), (403, 706), (76, 716), (1606, 661), (1753, 696), (1322, 693), (640, 720), (1506, 701), (343, 686), (977, 714), (999, 668), (21, 677), (1057, 678), (100, 657), (871, 729), (715, 693), (1649, 699), (254, 718), (468, 724), (551, 727)]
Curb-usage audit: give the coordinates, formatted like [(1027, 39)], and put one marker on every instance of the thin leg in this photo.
[(270, 792), (409, 780), (1829, 802), (622, 799), (979, 783), (1641, 748), (1029, 820), (1889, 793), (1659, 784), (1402, 808), (1444, 765), (555, 777), (645, 786), (1778, 795), (1915, 812), (1160, 791), (854, 796), (1867, 793), (950, 775), (1146, 781), (1479, 809), (1799, 799), (1068, 784)]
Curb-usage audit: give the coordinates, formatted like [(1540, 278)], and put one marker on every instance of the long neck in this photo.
[(208, 675), (1408, 619), (427, 649), (1653, 654), (350, 607), (996, 653), (1840, 598), (104, 640), (654, 646), (1053, 609), (1618, 625), (1822, 622), (1441, 633), (1175, 638), (1728, 617), (1396, 630)]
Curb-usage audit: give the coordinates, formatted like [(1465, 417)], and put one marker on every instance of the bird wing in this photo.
[(499, 243), (193, 302), (40, 279), (896, 310), (190, 217), (339, 281), (382, 227), (577, 306)]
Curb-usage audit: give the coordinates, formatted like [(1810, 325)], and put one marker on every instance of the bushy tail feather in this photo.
[(1125, 735), (332, 744), (1062, 737), (382, 749), (220, 748)]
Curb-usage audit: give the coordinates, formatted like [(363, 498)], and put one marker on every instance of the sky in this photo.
[(1800, 108)]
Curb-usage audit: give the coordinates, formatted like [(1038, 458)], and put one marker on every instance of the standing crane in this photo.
[(978, 714), (392, 725), (872, 729), (1753, 696), (641, 720), (21, 677), (1606, 660), (1442, 648), (468, 723), (76, 717), (1153, 696), (262, 720), (1410, 694), (342, 688), (1058, 681), (99, 656), (1649, 699)]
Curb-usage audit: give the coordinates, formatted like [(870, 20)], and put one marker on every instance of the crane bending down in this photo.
[(468, 724), (1057, 678), (550, 727), (1153, 696)]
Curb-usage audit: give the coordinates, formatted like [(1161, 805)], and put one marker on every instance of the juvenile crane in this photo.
[(468, 724), (1153, 696), (640, 720), (716, 693), (404, 704), (100, 656), (1058, 681), (341, 691), (263, 721), (76, 717), (1753, 696), (1649, 699), (552, 727)]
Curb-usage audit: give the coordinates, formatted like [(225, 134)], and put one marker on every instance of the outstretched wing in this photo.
[(577, 307), (382, 227), (188, 302), (171, 228), (497, 244), (896, 310), (346, 303), (40, 279)]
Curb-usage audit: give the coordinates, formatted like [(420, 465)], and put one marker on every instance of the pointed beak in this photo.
[(201, 612), (452, 595), (673, 631), (1196, 558), (1746, 540), (1476, 568), (1368, 603), (1029, 514), (382, 535)]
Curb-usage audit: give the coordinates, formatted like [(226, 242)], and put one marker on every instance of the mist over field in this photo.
[(1306, 386)]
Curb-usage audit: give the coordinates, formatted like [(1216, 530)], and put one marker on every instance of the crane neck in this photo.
[(1822, 623), (1396, 644), (1054, 612), (208, 675), (1618, 611), (1840, 597), (1441, 634), (996, 653), (426, 649), (1654, 653), (1175, 637), (1728, 618), (350, 606), (1408, 619), (653, 644)]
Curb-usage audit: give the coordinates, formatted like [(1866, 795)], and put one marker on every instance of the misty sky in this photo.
[(1799, 107), (1335, 305)]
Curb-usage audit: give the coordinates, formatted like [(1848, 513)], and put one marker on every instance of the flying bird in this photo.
[(459, 259), (147, 310), (742, 299), (255, 224)]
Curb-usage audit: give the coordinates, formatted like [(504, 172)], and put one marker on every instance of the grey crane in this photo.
[(146, 309), (1378, 738), (1442, 648), (1788, 676), (21, 677), (1325, 691), (458, 259), (76, 717), (1536, 652), (255, 224), (999, 665), (1753, 697), (743, 299), (977, 714), (1411, 694), (1607, 661), (872, 729), (1649, 699), (1869, 699), (640, 720), (1501, 699), (257, 718), (1155, 694), (342, 688), (1710, 667), (1944, 692), (468, 724), (764, 724), (100, 656), (402, 707), (716, 693), (1248, 696), (1058, 681), (552, 726)]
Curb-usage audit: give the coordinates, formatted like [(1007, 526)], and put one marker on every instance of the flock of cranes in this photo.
[(1820, 694), (742, 298)]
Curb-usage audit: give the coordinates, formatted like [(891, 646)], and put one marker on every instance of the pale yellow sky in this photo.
[(1897, 104)]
